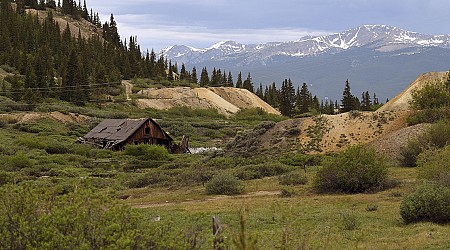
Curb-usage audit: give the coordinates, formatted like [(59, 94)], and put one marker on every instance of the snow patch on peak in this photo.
[(216, 45)]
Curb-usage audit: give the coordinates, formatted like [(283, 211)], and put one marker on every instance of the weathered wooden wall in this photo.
[(156, 135)]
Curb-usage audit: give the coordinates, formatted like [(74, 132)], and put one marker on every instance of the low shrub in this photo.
[(436, 136), (286, 192), (224, 183), (429, 202), (19, 161), (147, 179), (5, 178), (293, 178), (435, 166), (372, 207), (409, 153), (302, 160), (257, 171), (357, 169), (58, 148), (349, 220), (433, 94), (148, 152)]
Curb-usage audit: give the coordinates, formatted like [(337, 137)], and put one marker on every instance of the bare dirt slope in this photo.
[(243, 98), (401, 101), (331, 133), (226, 100), (36, 116)]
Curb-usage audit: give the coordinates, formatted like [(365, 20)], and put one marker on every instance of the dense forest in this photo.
[(50, 62)]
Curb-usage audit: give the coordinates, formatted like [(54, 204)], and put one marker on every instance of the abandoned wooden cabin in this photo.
[(115, 134)]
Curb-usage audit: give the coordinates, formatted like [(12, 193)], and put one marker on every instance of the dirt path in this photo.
[(213, 198), (128, 88)]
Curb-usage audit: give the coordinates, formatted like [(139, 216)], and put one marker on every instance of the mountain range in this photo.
[(380, 59)]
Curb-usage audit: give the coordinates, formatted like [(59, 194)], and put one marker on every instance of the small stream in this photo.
[(204, 149)]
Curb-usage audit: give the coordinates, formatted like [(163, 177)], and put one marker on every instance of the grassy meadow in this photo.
[(167, 199)]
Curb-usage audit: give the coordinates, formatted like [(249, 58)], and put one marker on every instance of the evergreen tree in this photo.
[(287, 98), (348, 100), (194, 78), (70, 77), (315, 105), (272, 96), (214, 78), (375, 99), (230, 80), (183, 73), (224, 82), (366, 103), (259, 91), (204, 78), (85, 13), (303, 99), (239, 81), (248, 84)]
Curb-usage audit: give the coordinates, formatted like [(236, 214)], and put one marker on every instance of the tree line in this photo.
[(293, 102)]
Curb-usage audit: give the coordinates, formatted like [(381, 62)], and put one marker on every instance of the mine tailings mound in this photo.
[(401, 101), (226, 100)]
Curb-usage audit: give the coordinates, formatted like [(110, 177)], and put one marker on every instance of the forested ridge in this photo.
[(47, 61)]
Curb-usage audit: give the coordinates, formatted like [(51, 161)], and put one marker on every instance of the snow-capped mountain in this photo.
[(375, 58), (378, 37)]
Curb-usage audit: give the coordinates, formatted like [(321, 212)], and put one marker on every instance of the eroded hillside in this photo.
[(226, 100)]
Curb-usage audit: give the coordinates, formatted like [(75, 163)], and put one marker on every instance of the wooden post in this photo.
[(217, 230)]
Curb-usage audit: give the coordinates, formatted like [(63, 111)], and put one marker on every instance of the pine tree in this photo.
[(69, 78), (348, 100), (230, 80), (194, 78), (204, 78), (183, 73), (248, 84), (214, 78), (315, 105), (366, 103), (223, 82), (303, 99), (239, 81), (375, 99), (259, 91), (287, 98), (85, 13)]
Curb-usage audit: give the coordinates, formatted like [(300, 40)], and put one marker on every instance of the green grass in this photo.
[(43, 153), (306, 218)]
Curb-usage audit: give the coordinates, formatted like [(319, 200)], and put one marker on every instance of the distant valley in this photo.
[(376, 58)]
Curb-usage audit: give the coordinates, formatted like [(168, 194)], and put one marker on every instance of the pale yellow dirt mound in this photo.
[(331, 133), (243, 98), (357, 128), (401, 101), (35, 116), (226, 100)]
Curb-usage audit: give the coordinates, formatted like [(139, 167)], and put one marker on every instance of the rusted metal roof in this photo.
[(118, 130)]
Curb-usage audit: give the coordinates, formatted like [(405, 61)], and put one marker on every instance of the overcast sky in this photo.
[(201, 23)]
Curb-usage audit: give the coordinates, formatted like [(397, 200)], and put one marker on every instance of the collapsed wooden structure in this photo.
[(115, 134)]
